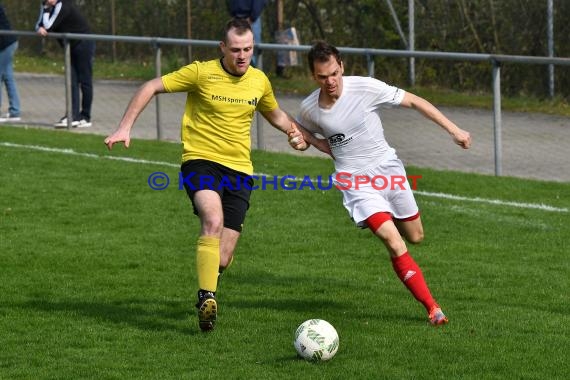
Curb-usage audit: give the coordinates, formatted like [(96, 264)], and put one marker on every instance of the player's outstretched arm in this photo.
[(137, 104), (460, 137)]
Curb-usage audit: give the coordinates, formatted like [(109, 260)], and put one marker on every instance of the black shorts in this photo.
[(233, 187)]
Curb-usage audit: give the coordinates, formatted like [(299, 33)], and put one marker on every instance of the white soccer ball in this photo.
[(316, 340)]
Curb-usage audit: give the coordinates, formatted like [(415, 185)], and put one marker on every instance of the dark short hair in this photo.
[(241, 25), (321, 51)]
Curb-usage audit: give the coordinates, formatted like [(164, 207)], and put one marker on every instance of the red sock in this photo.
[(411, 275)]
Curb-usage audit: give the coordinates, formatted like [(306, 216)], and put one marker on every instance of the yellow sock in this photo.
[(208, 262)]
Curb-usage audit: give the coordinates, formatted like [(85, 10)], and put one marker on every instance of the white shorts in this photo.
[(384, 188)]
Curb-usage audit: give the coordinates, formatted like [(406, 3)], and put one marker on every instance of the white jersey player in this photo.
[(376, 193)]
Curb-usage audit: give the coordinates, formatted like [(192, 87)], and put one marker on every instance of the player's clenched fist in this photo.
[(296, 139)]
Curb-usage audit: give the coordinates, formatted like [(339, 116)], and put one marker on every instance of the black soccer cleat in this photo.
[(207, 310)]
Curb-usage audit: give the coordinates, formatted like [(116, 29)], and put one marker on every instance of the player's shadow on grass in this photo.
[(321, 294), (139, 313)]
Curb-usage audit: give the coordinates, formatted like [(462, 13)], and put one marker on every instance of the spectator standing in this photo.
[(8, 46), (62, 16), (250, 10)]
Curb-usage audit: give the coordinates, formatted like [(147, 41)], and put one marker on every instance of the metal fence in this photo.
[(53, 88)]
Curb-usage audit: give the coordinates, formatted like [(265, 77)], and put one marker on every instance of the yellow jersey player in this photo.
[(222, 97)]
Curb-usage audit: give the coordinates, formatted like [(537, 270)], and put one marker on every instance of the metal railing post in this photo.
[(370, 64), (68, 93), (497, 116), (158, 74), (258, 117), (412, 42), (550, 35)]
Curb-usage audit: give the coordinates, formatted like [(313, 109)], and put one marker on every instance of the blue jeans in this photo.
[(256, 29), (7, 77)]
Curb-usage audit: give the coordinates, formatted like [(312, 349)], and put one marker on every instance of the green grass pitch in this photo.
[(97, 274)]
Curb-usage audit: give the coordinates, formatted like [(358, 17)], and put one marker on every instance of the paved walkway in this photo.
[(534, 145)]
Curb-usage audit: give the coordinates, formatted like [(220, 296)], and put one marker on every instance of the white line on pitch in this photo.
[(90, 155)]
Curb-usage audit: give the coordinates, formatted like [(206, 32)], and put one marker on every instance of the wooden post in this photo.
[(279, 15), (189, 28)]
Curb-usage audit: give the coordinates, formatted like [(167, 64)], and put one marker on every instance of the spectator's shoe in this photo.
[(7, 118), (83, 123), (207, 310), (62, 123), (436, 316)]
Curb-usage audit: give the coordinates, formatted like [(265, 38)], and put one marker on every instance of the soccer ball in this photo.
[(316, 340)]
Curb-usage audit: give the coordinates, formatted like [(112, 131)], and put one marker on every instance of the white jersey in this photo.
[(356, 137), (352, 125)]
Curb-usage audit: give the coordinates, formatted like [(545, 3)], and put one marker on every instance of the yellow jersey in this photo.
[(219, 109)]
